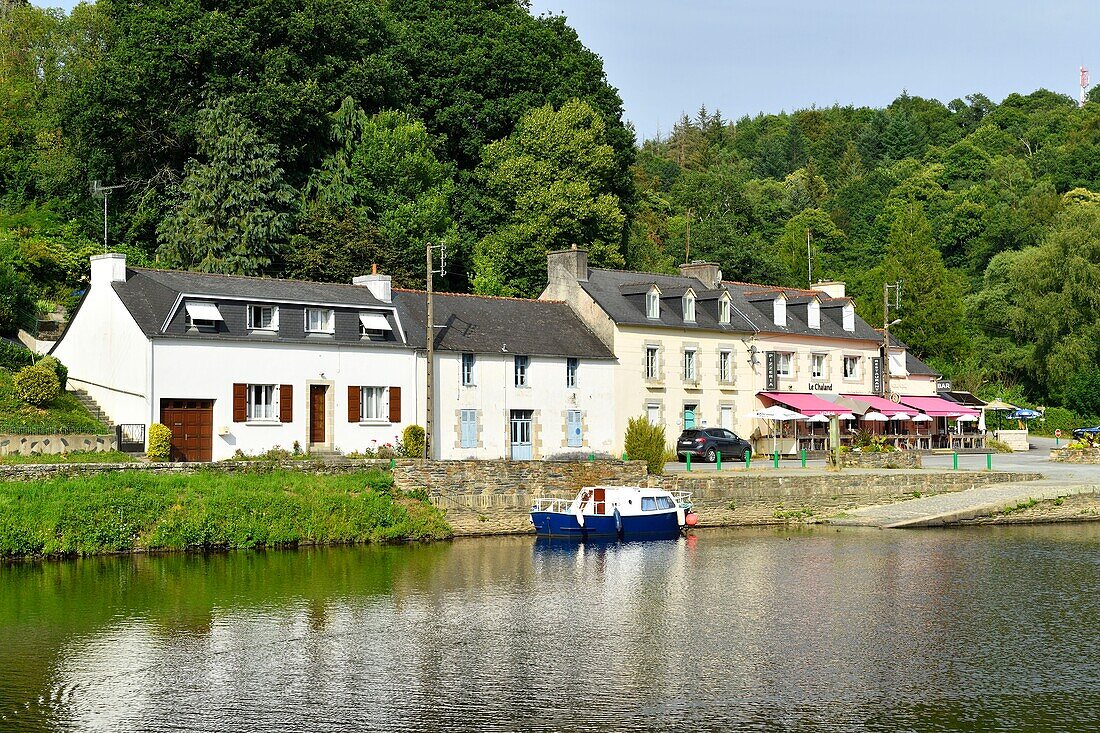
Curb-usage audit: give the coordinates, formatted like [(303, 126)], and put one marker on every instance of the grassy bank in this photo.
[(64, 415), (112, 456), (135, 511)]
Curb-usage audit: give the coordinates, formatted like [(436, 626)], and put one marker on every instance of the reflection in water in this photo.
[(990, 629)]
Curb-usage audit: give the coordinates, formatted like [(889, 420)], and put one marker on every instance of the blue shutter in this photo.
[(469, 428), (573, 429)]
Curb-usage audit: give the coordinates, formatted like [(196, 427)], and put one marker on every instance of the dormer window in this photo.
[(374, 326), (319, 320), (689, 307), (724, 310), (813, 314), (203, 316), (779, 310), (263, 318), (849, 317), (653, 304)]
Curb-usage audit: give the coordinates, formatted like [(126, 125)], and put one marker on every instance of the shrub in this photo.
[(998, 446), (160, 442), (59, 369), (385, 451), (16, 302), (646, 442), (412, 438), (1055, 418), (37, 385), (13, 356)]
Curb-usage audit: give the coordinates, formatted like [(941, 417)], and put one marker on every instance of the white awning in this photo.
[(374, 322), (203, 311)]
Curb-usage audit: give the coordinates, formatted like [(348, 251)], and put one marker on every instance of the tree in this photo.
[(232, 212), (551, 186), (828, 244)]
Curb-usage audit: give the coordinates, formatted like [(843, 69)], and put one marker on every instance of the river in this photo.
[(981, 629)]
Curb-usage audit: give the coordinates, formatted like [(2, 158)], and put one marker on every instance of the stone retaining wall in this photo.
[(1075, 455), (889, 459), (26, 445)]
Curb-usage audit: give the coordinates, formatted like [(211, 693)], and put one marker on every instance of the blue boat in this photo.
[(614, 513)]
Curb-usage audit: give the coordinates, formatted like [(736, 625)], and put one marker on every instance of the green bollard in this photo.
[(989, 461), (803, 457), (688, 456), (748, 460), (718, 463), (591, 457), (393, 463), (954, 461), (1057, 441), (775, 459), (624, 457)]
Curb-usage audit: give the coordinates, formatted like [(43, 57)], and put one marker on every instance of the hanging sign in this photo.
[(771, 375), (876, 375)]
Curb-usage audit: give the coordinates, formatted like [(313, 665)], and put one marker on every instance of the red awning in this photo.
[(880, 404), (939, 407), (807, 404)]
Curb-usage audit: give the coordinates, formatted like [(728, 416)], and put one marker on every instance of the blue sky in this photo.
[(670, 56)]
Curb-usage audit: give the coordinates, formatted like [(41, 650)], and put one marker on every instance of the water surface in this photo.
[(984, 629)]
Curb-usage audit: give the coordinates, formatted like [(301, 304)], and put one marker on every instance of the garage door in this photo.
[(192, 426)]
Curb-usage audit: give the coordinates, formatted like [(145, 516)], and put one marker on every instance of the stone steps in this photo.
[(92, 406)]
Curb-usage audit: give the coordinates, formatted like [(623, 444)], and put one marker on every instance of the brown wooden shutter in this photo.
[(353, 404), (286, 403), (240, 402), (395, 404)]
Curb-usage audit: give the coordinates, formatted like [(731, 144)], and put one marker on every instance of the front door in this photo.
[(192, 426), (317, 404), (689, 416), (521, 435)]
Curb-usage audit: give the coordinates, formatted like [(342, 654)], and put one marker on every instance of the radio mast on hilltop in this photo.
[(1084, 86)]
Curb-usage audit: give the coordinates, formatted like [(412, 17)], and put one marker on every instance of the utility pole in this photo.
[(886, 323), (687, 239), (98, 190), (429, 372)]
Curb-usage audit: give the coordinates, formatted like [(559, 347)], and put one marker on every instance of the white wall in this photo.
[(495, 395), (208, 369)]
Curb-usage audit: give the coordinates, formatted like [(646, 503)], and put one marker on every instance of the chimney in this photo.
[(705, 272), (832, 288), (568, 264), (108, 268), (379, 285)]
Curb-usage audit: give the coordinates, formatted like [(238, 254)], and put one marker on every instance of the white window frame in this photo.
[(572, 367), (688, 303), (653, 304), (521, 366), (262, 403), (272, 321), (652, 368), (784, 363), (467, 369), (327, 314), (374, 404), (725, 365), (779, 311), (653, 409), (815, 361), (724, 310), (854, 374), (813, 314), (691, 365)]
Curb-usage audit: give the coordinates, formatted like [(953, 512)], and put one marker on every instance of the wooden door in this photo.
[(317, 394), (192, 426)]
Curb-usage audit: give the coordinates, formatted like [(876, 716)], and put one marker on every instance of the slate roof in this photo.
[(481, 325)]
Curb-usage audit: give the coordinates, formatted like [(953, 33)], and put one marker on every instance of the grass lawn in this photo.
[(113, 456), (124, 511), (63, 415)]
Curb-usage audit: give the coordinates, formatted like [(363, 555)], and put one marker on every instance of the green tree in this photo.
[(827, 244), (551, 184), (232, 212)]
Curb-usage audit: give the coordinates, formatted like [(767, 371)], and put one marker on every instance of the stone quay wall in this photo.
[(27, 445), (890, 459), (1075, 455)]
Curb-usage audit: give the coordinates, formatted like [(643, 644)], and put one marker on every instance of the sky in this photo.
[(671, 56)]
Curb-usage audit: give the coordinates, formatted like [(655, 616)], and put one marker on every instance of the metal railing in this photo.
[(551, 505), (130, 437)]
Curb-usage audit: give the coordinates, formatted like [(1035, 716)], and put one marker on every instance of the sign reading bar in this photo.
[(771, 375), (876, 375), (943, 385)]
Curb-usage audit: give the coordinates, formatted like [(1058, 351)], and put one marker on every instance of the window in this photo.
[(574, 432), (261, 402), (649, 503), (374, 326), (521, 370), (468, 424), (813, 314), (571, 365), (374, 404), (262, 317), (817, 366), (724, 310), (851, 367), (468, 361), (319, 320), (779, 311), (652, 362), (848, 314), (665, 502), (689, 307), (689, 365), (653, 413), (725, 366), (203, 316), (783, 363), (653, 304)]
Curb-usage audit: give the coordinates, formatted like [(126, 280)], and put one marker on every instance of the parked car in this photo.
[(1093, 432), (706, 443)]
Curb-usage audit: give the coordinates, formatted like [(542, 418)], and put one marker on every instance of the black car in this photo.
[(1080, 433), (707, 443)]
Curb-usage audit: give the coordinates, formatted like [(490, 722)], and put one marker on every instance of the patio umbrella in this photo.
[(875, 417), (1023, 413), (900, 416), (818, 418), (846, 416), (998, 405), (966, 418), (775, 413), (922, 418)]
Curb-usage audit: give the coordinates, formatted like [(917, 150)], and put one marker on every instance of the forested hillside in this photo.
[(311, 139)]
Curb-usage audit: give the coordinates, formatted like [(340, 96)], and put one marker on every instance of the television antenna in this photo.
[(1084, 86), (429, 371), (98, 190)]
